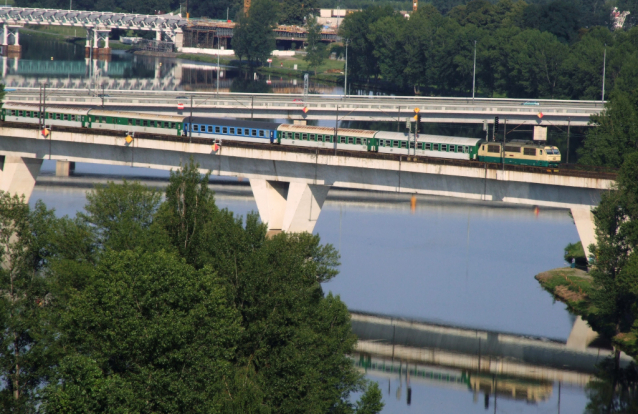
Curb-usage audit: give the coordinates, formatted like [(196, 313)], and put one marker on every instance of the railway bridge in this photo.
[(290, 184)]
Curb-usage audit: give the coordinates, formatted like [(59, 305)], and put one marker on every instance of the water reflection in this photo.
[(63, 65)]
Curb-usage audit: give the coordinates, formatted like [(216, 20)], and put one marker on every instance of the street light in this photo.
[(474, 76), (218, 48), (602, 98)]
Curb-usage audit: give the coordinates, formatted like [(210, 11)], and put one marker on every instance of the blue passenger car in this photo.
[(231, 129)]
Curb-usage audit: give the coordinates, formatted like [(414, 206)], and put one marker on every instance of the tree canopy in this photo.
[(196, 311)]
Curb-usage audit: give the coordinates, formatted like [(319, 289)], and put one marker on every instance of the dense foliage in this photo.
[(615, 270), (553, 50), (140, 305), (253, 37)]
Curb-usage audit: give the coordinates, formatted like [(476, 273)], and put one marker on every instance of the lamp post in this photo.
[(218, 49), (345, 83), (602, 97), (474, 76)]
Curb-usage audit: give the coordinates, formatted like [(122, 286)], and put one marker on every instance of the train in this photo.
[(273, 133)]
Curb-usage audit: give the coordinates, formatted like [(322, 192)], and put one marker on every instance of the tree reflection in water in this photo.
[(613, 390)]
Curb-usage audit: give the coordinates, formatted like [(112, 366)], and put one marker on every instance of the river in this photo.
[(451, 262)]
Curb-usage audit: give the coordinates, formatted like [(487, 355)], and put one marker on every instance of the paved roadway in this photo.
[(327, 107)]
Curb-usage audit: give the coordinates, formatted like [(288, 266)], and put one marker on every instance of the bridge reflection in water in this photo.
[(139, 73), (495, 364)]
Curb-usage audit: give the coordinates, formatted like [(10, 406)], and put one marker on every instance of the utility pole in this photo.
[(345, 84), (602, 98), (102, 96), (336, 129), (569, 122), (504, 134), (190, 122), (218, 68), (474, 76)]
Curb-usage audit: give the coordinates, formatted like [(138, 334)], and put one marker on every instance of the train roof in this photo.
[(233, 122), (327, 130), (518, 143), (20, 106), (435, 139), (126, 114)]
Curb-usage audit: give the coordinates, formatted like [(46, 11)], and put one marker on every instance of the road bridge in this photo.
[(332, 107), (290, 184)]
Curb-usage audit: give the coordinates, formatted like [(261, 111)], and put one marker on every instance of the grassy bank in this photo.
[(573, 287)]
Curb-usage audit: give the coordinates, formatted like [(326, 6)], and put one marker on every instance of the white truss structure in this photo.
[(162, 24)]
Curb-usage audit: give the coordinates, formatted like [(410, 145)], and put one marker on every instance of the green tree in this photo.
[(387, 34), (614, 134), (26, 343), (316, 51), (615, 273), (253, 36), (296, 11), (291, 354), (149, 333), (122, 214)]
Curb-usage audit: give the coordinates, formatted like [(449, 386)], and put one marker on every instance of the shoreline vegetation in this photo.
[(574, 287)]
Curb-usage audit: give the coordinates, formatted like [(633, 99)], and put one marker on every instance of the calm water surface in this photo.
[(451, 262)]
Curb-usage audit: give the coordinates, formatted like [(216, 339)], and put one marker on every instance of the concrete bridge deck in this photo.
[(331, 107), (290, 184)]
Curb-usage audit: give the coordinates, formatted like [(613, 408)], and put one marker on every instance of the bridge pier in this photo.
[(288, 206), (64, 168), (584, 220), (11, 48), (18, 175)]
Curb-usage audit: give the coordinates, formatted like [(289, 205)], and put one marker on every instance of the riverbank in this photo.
[(573, 287)]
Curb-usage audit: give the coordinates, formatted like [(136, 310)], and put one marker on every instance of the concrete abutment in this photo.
[(18, 175), (584, 220), (288, 206)]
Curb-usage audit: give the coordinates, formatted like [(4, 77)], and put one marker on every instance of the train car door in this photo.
[(272, 137), (373, 144)]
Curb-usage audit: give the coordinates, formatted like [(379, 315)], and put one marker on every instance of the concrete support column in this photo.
[(87, 47), (64, 168), (18, 175), (290, 207), (158, 36), (581, 335), (5, 35), (584, 220), (16, 37), (106, 41)]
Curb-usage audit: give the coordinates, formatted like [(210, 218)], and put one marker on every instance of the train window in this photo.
[(246, 131), (350, 140), (144, 122), (364, 141), (395, 143), (412, 144), (217, 130), (261, 132), (541, 152), (209, 128), (404, 144), (483, 148), (342, 140), (358, 141), (57, 116), (529, 151), (253, 132), (20, 113), (65, 117), (509, 148), (494, 148), (296, 135), (304, 137), (171, 125), (232, 131), (13, 112), (72, 117), (224, 130), (130, 121), (419, 145), (195, 127)]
